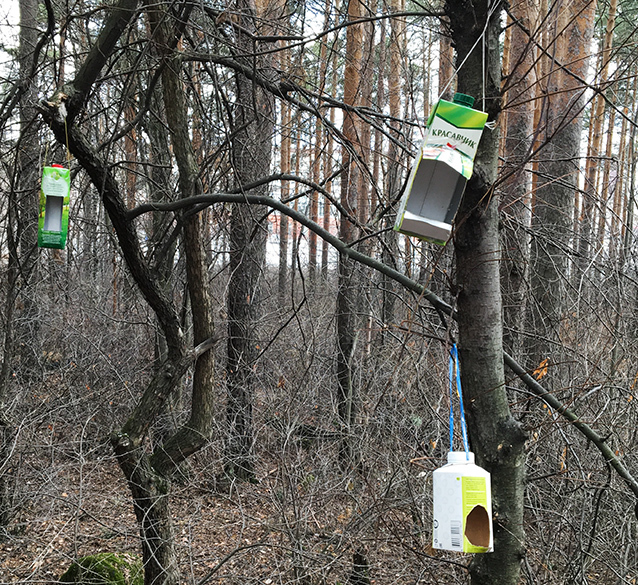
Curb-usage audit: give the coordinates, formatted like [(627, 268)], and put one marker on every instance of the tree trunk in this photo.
[(21, 337), (591, 198), (348, 293), (516, 189), (394, 175), (285, 152), (552, 215), (496, 438), (251, 155), (28, 338), (150, 491)]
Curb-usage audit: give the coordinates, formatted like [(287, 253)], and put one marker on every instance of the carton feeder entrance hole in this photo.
[(53, 214), (477, 527)]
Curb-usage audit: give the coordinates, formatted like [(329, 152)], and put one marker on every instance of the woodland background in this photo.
[(236, 368)]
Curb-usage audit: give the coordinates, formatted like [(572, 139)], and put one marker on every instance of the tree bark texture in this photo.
[(515, 202), (592, 201), (150, 491), (251, 157), (496, 438), (348, 291), (395, 170), (20, 327), (194, 434), (558, 167), (26, 344)]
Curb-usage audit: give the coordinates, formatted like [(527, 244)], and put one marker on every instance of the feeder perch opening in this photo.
[(462, 502), (441, 170), (477, 527)]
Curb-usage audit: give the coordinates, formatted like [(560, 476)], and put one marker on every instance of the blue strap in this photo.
[(451, 423), (454, 365)]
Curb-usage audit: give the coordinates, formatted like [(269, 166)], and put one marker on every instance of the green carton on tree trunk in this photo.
[(53, 218), (442, 168)]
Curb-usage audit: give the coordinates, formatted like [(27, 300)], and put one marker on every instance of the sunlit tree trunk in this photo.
[(617, 207), (591, 199), (607, 184), (284, 228), (395, 164), (285, 162), (317, 155), (328, 162)]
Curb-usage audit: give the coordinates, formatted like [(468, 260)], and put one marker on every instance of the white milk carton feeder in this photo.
[(441, 169), (462, 506)]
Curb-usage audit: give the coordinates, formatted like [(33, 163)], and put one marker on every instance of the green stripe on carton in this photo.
[(461, 116)]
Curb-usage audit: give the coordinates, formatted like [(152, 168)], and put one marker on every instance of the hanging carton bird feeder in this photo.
[(462, 494), (442, 167), (462, 506), (53, 219)]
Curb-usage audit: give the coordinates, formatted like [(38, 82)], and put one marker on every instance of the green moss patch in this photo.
[(106, 569)]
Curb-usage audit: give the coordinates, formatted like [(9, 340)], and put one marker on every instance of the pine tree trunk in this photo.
[(394, 175), (516, 189), (553, 212), (251, 157), (348, 293), (284, 224)]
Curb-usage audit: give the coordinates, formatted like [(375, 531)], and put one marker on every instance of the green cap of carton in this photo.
[(463, 99)]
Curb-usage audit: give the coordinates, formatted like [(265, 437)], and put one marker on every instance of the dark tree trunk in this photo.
[(251, 156), (516, 189), (20, 327), (496, 438), (28, 342), (150, 492)]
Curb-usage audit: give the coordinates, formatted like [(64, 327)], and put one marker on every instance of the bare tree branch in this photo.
[(423, 292)]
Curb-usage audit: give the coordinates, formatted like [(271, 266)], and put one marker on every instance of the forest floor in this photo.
[(271, 532)]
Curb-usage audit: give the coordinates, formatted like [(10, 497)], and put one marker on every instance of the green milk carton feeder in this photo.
[(53, 218), (442, 167)]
